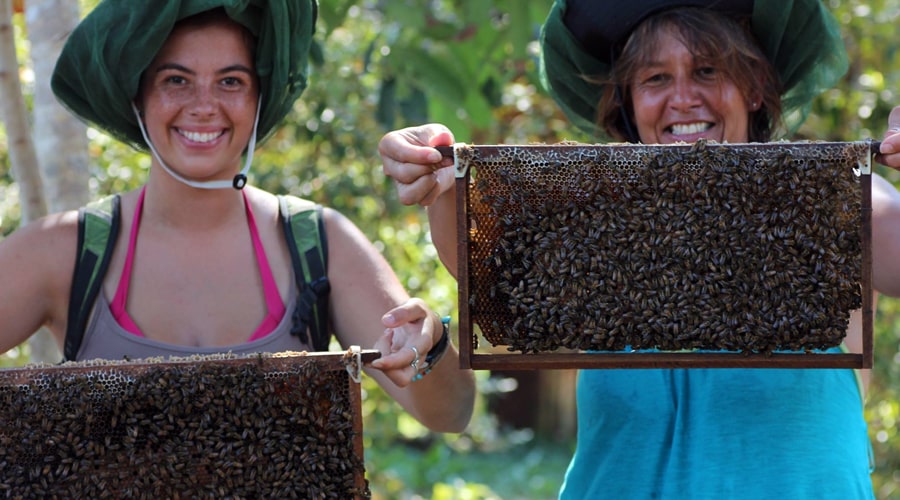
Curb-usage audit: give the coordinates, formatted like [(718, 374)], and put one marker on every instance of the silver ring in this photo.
[(415, 362)]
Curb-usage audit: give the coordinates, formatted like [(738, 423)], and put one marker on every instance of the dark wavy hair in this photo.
[(717, 40)]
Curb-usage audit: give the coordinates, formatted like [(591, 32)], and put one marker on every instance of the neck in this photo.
[(170, 203)]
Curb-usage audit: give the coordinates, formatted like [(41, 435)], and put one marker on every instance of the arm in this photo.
[(36, 265), (886, 215), (885, 237), (370, 308), (425, 178), (890, 146)]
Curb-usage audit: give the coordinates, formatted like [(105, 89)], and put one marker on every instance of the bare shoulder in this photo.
[(338, 226), (264, 203), (37, 259), (54, 234)]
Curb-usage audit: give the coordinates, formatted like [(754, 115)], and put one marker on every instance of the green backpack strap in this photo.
[(304, 231), (98, 227)]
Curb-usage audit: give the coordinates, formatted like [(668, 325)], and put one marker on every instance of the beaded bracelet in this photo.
[(436, 352)]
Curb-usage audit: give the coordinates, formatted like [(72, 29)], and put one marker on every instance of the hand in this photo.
[(412, 324), (421, 172), (890, 146)]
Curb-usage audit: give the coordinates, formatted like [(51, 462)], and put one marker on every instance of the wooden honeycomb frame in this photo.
[(285, 425), (507, 161)]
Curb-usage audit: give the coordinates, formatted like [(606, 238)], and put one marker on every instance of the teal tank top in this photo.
[(720, 433)]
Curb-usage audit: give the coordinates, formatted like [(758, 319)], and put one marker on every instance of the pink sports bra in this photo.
[(274, 304)]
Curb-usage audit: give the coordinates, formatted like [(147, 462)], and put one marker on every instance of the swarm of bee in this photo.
[(214, 427), (751, 248)]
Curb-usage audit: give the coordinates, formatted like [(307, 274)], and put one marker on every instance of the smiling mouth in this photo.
[(201, 137), (689, 128)]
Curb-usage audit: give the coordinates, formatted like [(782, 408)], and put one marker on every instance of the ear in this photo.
[(754, 102)]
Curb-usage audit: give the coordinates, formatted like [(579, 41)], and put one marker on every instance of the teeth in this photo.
[(199, 136), (691, 128)]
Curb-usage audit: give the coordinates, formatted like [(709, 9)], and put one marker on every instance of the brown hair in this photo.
[(719, 41)]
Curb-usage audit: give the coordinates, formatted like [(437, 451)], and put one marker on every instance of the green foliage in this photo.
[(472, 65), (487, 461)]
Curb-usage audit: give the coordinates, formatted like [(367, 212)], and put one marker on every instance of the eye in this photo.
[(232, 81), (653, 79), (175, 79), (707, 72), (235, 81)]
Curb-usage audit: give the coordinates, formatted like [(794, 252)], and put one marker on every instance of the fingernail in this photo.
[(435, 156), (388, 318), (887, 148)]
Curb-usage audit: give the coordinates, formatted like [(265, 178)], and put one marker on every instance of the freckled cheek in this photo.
[(187, 97)]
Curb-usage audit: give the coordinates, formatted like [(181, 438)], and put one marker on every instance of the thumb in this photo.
[(894, 120), (408, 312), (439, 134), (891, 142)]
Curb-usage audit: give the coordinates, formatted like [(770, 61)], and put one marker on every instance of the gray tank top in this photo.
[(105, 339)]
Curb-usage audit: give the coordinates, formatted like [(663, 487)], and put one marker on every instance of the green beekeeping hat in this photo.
[(99, 70), (579, 37)]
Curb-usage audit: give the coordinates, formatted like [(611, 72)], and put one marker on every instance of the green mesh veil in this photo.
[(800, 37), (99, 70)]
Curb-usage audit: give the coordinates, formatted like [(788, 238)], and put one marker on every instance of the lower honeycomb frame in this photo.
[(279, 425)]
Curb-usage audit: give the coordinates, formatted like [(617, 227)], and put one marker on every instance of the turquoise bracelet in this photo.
[(436, 352)]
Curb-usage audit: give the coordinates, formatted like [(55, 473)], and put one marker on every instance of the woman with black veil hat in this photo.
[(201, 263), (659, 73)]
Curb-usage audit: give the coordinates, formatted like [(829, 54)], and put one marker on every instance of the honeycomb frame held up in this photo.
[(285, 425), (685, 255)]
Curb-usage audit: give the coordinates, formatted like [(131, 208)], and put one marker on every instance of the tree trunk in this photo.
[(60, 138), (59, 155), (21, 153), (22, 156)]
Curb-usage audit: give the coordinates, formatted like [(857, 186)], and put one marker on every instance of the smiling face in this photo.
[(687, 73), (679, 97), (199, 97)]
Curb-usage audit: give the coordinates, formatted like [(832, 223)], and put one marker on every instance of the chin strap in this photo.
[(239, 181)]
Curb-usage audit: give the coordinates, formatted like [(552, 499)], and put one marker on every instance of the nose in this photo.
[(685, 94), (203, 103)]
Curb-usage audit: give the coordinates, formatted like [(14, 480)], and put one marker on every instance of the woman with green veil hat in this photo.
[(662, 72), (201, 261)]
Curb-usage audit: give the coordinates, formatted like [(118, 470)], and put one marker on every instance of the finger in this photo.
[(435, 134), (433, 193), (398, 360), (891, 142), (886, 158), (889, 152), (410, 311), (398, 366), (419, 191), (442, 181), (894, 119), (415, 144), (407, 173)]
